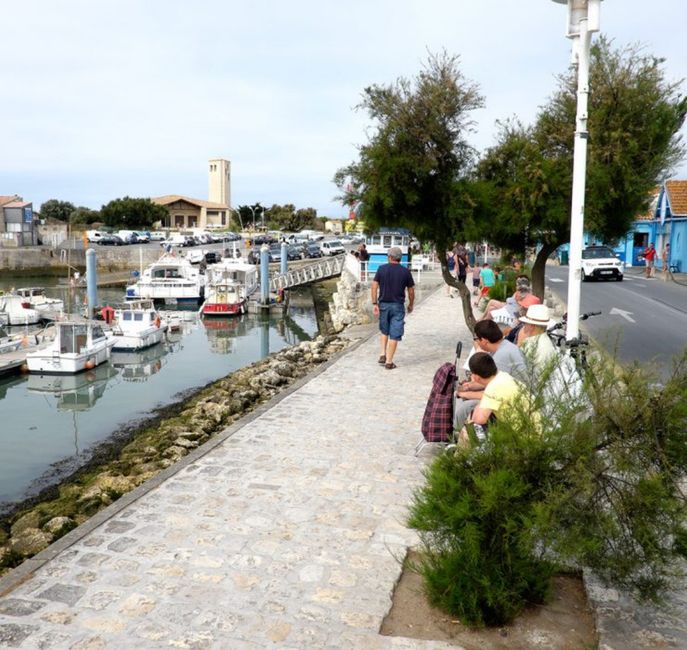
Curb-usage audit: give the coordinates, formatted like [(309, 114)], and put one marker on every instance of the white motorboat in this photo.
[(172, 280), (228, 286), (10, 343), (137, 325), (15, 313), (35, 298), (77, 346)]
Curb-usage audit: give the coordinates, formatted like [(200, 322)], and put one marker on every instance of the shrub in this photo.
[(602, 492)]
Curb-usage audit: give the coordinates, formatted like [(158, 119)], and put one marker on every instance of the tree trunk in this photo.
[(465, 295), (539, 268)]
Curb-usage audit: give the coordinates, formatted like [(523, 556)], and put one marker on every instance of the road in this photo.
[(643, 319)]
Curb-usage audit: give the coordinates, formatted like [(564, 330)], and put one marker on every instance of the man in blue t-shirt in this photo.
[(388, 300)]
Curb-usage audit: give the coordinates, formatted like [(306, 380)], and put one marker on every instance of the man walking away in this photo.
[(388, 294)]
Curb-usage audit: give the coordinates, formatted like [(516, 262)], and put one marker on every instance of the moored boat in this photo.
[(169, 280), (77, 346), (137, 325), (228, 286), (35, 298), (13, 311)]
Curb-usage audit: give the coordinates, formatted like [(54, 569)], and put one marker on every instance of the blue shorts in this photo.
[(391, 315)]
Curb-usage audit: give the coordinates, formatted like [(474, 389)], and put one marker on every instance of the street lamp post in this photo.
[(583, 21)]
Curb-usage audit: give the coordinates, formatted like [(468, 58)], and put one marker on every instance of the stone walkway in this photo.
[(287, 531)]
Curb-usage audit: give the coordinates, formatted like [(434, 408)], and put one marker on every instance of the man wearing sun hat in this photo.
[(535, 342)]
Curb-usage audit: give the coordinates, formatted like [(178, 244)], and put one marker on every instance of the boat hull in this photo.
[(47, 362), (224, 309), (138, 341)]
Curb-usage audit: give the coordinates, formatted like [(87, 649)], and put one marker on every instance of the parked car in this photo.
[(258, 240), (157, 236), (275, 253), (312, 250), (143, 236), (332, 247), (176, 240), (110, 240), (295, 252), (601, 263)]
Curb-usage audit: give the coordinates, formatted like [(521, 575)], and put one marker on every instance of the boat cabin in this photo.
[(379, 243), (77, 338)]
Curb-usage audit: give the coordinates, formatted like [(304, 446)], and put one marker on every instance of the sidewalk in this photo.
[(287, 534), (286, 531)]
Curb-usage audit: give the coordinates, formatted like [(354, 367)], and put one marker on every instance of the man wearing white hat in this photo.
[(535, 342)]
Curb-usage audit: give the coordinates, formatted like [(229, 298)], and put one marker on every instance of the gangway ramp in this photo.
[(306, 273)]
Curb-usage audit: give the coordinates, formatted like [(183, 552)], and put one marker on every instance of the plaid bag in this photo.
[(437, 422)]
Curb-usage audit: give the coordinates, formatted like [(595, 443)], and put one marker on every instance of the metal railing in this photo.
[(319, 270)]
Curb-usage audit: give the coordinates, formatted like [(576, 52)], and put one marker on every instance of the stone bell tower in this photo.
[(219, 176)]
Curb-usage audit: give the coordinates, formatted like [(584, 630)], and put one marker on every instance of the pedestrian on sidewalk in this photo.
[(665, 262), (451, 262), (649, 256), (388, 294)]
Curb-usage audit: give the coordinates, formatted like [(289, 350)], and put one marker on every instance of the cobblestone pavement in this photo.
[(287, 534)]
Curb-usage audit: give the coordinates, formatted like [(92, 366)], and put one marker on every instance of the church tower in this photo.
[(219, 181)]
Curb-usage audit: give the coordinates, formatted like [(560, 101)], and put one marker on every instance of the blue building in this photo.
[(664, 223)]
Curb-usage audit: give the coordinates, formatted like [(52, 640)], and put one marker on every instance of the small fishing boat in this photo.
[(13, 311), (10, 343), (169, 280), (77, 346), (137, 325), (228, 286), (35, 298)]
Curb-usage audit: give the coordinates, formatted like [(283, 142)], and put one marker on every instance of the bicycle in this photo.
[(577, 347)]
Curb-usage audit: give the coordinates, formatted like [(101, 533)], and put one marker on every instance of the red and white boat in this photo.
[(228, 285)]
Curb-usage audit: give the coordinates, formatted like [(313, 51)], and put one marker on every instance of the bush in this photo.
[(602, 492)]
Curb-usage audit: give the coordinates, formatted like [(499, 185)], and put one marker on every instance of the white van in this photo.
[(332, 247), (94, 235)]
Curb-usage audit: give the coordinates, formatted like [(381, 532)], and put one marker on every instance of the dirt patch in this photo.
[(566, 623)]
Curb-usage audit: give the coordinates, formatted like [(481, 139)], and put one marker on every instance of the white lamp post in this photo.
[(583, 21)]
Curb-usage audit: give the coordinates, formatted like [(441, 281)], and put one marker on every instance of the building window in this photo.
[(223, 216), (179, 220)]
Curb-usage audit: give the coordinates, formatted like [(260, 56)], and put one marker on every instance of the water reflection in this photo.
[(141, 365), (74, 392), (223, 332)]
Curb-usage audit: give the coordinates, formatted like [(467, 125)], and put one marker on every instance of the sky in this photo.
[(111, 98)]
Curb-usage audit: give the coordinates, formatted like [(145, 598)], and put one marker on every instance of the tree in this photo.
[(54, 209), (635, 115), (132, 213), (287, 217), (413, 171), (82, 215)]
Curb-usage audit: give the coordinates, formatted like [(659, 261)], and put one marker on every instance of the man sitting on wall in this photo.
[(500, 394)]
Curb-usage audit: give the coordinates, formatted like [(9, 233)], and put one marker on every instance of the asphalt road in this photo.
[(644, 320)]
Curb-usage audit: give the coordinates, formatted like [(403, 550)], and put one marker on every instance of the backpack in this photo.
[(437, 422)]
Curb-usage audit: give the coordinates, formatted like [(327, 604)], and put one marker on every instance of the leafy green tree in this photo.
[(54, 209), (82, 215), (413, 171), (287, 217), (132, 213), (635, 115)]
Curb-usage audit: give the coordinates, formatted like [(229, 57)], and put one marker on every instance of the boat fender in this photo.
[(243, 308), (25, 341), (24, 368), (157, 321), (90, 364)]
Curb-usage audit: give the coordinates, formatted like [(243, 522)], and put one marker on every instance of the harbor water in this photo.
[(49, 425)]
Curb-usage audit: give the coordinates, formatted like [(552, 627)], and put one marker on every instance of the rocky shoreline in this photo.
[(153, 446)]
